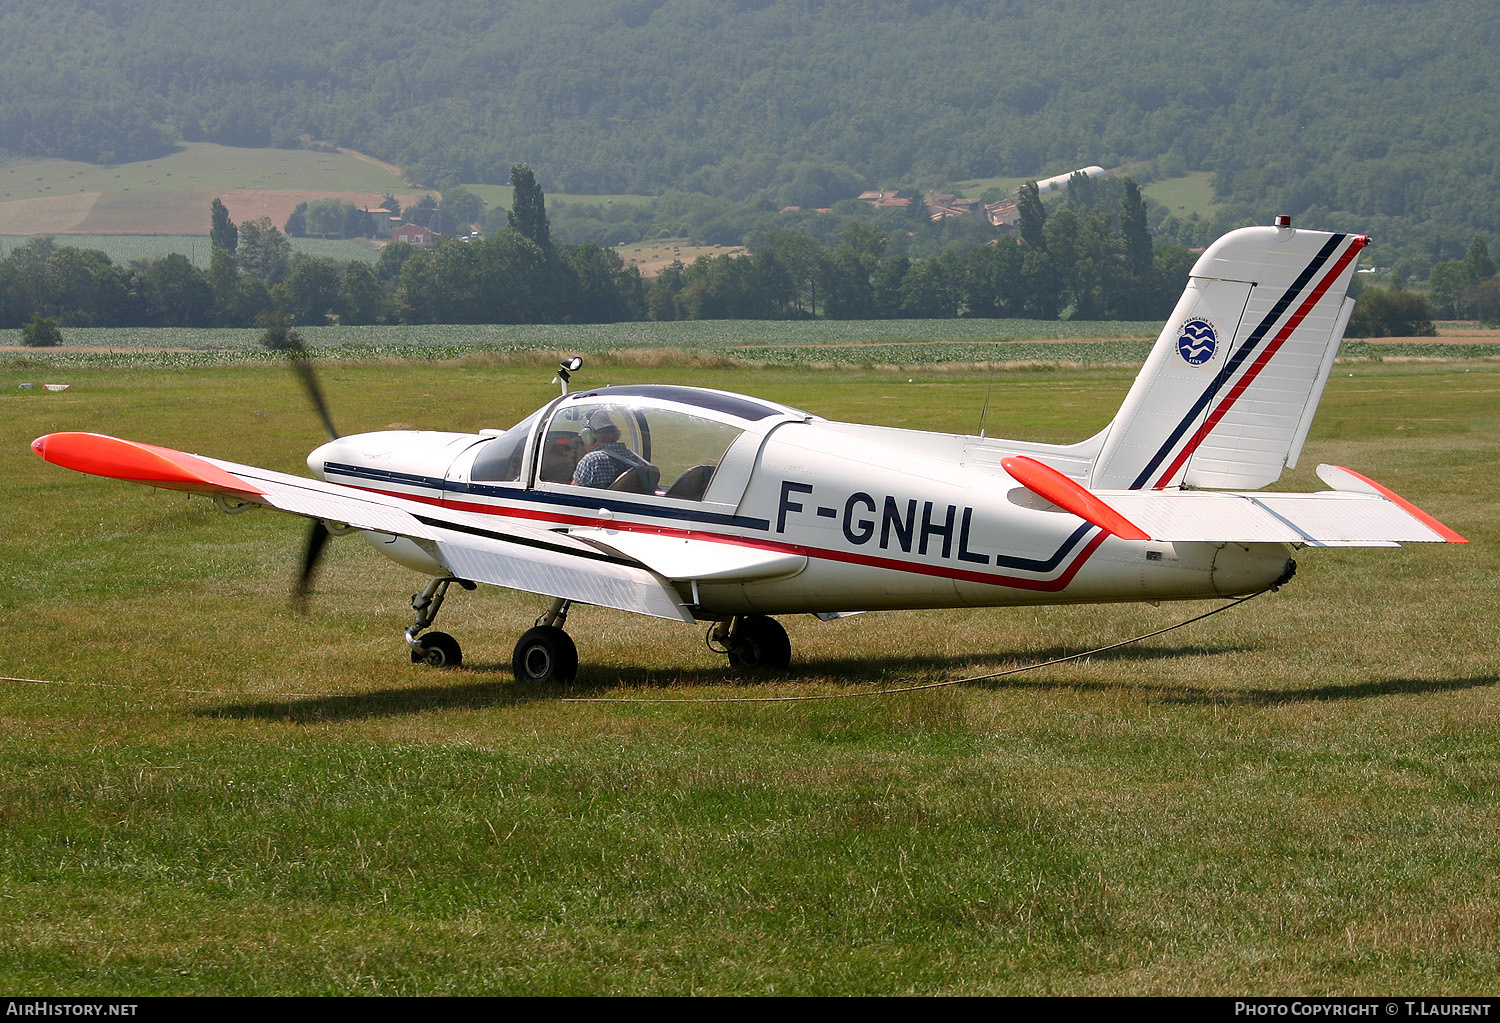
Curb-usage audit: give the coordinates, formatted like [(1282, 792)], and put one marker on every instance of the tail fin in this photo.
[(1227, 395)]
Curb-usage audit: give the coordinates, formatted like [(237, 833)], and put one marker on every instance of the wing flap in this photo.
[(689, 559), (554, 574), (481, 548)]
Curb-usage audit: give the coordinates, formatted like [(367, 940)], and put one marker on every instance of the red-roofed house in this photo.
[(414, 234)]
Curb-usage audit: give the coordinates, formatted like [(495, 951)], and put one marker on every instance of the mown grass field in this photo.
[(203, 792), (170, 195), (1190, 194)]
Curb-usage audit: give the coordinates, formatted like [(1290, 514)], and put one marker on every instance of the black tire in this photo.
[(545, 654), (759, 643), (439, 650)]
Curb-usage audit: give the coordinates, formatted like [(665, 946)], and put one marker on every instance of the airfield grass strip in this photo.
[(1298, 800)]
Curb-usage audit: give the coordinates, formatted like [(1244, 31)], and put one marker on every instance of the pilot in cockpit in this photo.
[(608, 463)]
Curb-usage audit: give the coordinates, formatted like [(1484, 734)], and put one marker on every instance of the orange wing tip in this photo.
[(1339, 478), (101, 455), (1070, 495)]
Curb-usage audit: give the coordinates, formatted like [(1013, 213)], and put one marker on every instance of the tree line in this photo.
[(1079, 261), (1090, 258)]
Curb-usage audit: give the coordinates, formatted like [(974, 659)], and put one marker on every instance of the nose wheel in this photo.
[(436, 649), (439, 650)]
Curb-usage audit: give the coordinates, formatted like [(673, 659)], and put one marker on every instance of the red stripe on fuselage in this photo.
[(849, 557), (1261, 361)]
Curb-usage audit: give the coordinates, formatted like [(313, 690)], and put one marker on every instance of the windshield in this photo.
[(499, 461)]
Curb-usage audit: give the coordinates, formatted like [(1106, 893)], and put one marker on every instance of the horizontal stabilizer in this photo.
[(1372, 516), (1070, 495), (1339, 478)]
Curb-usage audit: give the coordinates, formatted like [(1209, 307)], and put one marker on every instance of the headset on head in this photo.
[(586, 435)]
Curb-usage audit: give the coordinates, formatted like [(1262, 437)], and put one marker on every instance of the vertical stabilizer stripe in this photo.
[(1245, 351), (1264, 358)]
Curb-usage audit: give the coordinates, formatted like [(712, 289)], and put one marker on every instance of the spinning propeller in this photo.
[(280, 338)]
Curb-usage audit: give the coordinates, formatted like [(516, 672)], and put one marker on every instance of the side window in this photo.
[(687, 449)]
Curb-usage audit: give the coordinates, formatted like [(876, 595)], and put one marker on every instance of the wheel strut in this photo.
[(545, 653), (556, 615), (437, 648)]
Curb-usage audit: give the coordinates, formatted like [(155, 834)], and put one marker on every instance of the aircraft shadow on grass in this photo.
[(478, 691)]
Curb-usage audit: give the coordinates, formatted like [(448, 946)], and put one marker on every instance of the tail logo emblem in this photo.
[(1197, 342)]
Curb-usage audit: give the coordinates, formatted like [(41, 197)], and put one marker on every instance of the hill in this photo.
[(1371, 115)]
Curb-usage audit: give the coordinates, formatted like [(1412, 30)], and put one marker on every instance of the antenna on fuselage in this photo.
[(986, 410), (572, 364)]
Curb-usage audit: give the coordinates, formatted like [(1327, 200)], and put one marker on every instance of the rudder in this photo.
[(1228, 392)]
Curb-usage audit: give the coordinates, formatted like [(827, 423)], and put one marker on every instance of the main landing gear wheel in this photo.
[(545, 654), (439, 650), (758, 643)]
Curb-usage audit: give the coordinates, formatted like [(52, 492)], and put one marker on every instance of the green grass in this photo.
[(822, 343), (206, 793), (964, 346), (1187, 195)]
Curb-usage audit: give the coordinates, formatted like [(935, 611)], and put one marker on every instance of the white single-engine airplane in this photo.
[(703, 505)]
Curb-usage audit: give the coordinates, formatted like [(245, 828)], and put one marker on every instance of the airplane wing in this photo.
[(501, 552), (1357, 512)]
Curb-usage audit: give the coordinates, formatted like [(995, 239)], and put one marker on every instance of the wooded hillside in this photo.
[(1375, 115)]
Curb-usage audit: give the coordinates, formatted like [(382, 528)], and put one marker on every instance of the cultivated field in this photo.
[(171, 195), (652, 257), (203, 792)]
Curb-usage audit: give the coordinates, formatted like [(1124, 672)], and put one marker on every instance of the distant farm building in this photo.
[(882, 199), (940, 207), (1005, 213), (382, 221), (414, 234)]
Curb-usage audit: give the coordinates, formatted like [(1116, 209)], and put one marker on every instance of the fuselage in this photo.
[(800, 514)]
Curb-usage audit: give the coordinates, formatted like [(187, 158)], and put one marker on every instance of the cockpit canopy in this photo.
[(660, 440)]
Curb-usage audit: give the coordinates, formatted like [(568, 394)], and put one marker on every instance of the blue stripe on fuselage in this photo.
[(592, 500)]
